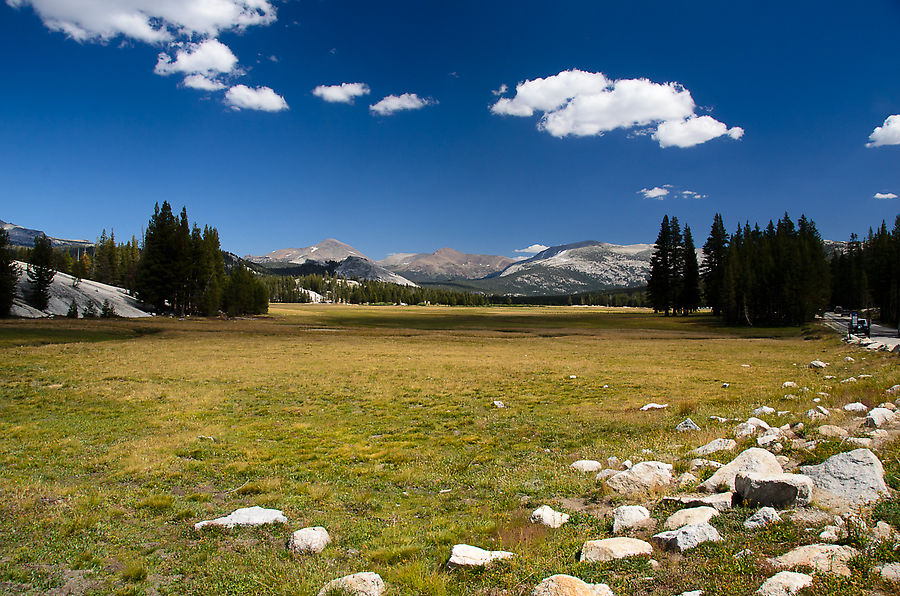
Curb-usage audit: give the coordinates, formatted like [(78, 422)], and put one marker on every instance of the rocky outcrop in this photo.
[(610, 549), (775, 490), (856, 477), (754, 460), (247, 516)]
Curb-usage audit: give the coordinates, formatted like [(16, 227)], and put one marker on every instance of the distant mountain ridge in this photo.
[(445, 264), (19, 236)]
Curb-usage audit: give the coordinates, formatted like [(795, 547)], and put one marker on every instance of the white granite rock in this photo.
[(586, 465), (686, 537), (691, 516), (856, 407), (752, 460), (642, 477), (499, 404), (714, 446), (358, 584), (464, 555), (825, 558), (628, 517), (687, 425), (785, 583), (891, 573), (817, 364), (547, 516), (753, 426), (787, 384), (763, 411), (309, 540), (697, 464), (247, 516), (653, 406), (609, 549), (566, 585), (764, 516), (856, 476)]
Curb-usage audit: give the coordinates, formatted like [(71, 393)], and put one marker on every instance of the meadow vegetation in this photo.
[(377, 423)]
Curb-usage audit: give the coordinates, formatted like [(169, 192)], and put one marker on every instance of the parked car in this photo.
[(859, 327)]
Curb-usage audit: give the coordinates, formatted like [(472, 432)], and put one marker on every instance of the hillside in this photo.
[(445, 264), (19, 236)]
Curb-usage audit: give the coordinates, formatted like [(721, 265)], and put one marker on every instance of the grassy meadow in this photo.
[(377, 423)]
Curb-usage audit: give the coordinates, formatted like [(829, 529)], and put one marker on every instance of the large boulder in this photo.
[(309, 540), (464, 555), (247, 516), (878, 417), (566, 585), (690, 517), (642, 477), (776, 490), (856, 407), (547, 516), (856, 477), (358, 584), (628, 517), (825, 558), (714, 446), (686, 538), (753, 426), (785, 583), (610, 549), (754, 459)]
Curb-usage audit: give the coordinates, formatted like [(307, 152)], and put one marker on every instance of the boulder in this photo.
[(714, 446), (566, 585), (830, 534), (586, 465), (891, 573), (686, 537), (604, 474), (861, 442), (751, 460), (610, 549), (785, 583), (358, 584), (817, 364), (888, 406), (893, 390), (697, 464), (825, 558), (642, 477), (763, 411), (653, 406), (247, 516), (464, 555), (814, 414), (687, 480), (309, 540), (764, 516), (753, 426), (833, 432), (773, 490), (787, 384), (879, 417), (547, 516), (691, 516), (856, 477), (687, 425), (629, 517)]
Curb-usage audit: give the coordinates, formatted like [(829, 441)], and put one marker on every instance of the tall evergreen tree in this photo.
[(659, 284), (157, 280), (9, 274), (41, 272), (713, 273), (689, 300)]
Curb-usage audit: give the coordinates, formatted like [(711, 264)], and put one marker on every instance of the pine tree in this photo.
[(41, 272), (714, 253), (659, 285), (157, 280), (72, 313), (690, 276), (9, 275)]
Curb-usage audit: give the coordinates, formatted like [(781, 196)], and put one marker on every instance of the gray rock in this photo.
[(464, 555), (614, 548), (856, 407), (686, 537), (247, 516), (358, 584), (752, 460), (763, 411), (714, 446), (547, 516), (653, 406), (863, 442), (825, 558), (817, 364), (856, 476), (785, 583), (566, 585), (764, 516), (604, 474), (691, 516), (687, 480), (719, 501), (586, 465), (878, 417), (687, 425), (833, 432), (629, 517), (697, 464), (753, 426), (775, 490), (642, 477), (309, 540), (891, 573)]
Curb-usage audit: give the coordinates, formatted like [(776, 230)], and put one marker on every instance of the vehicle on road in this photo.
[(858, 326)]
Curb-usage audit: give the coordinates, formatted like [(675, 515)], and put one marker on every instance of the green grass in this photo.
[(357, 419)]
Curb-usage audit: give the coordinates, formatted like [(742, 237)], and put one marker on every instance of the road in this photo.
[(886, 335)]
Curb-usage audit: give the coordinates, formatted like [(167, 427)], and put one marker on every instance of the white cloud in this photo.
[(654, 193), (208, 57), (396, 103), (690, 194), (343, 93), (887, 134), (503, 89), (199, 81), (533, 249), (260, 98), (885, 195), (580, 103), (150, 21)]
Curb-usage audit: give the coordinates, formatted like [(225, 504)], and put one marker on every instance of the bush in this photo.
[(107, 310), (90, 311), (72, 313)]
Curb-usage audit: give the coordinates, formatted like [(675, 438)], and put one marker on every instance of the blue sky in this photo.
[(755, 107)]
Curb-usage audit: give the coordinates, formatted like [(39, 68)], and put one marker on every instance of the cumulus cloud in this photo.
[(885, 195), (199, 81), (580, 103), (259, 98), (397, 103), (343, 93), (208, 57), (654, 193), (887, 134), (533, 249)]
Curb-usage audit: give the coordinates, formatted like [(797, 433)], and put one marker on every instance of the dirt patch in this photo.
[(519, 530), (577, 505)]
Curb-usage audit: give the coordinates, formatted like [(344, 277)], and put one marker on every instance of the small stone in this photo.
[(566, 585), (856, 407), (499, 404), (586, 465), (714, 446), (888, 406), (613, 463), (763, 411), (689, 517), (686, 537), (464, 555), (785, 583), (849, 359), (726, 385), (787, 384), (830, 534), (309, 540), (764, 516), (626, 465), (653, 406), (692, 593), (247, 516), (573, 377), (358, 584), (604, 474), (817, 364), (687, 425), (628, 517), (547, 516), (614, 548), (893, 390), (814, 414), (861, 442), (697, 464), (849, 380), (817, 400), (891, 573), (752, 426), (883, 532), (687, 480), (774, 490), (834, 432), (825, 558)]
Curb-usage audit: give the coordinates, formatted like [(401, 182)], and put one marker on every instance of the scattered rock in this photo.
[(856, 407), (785, 583), (247, 516), (888, 406), (775, 490), (787, 384), (686, 537), (884, 532), (751, 427), (849, 359), (714, 446), (834, 432), (499, 404), (692, 593), (690, 517), (817, 364), (861, 442), (464, 555), (697, 464), (642, 477), (629, 517), (586, 465), (653, 406), (764, 516), (547, 516), (613, 463), (763, 411), (891, 573), (626, 465), (566, 585), (358, 584), (856, 476), (726, 385), (309, 540), (830, 534), (893, 390), (719, 501), (614, 548), (849, 380), (687, 425), (687, 480), (752, 460), (814, 414), (604, 474), (825, 558)]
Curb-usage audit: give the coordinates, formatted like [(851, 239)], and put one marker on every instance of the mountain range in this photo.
[(19, 236)]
